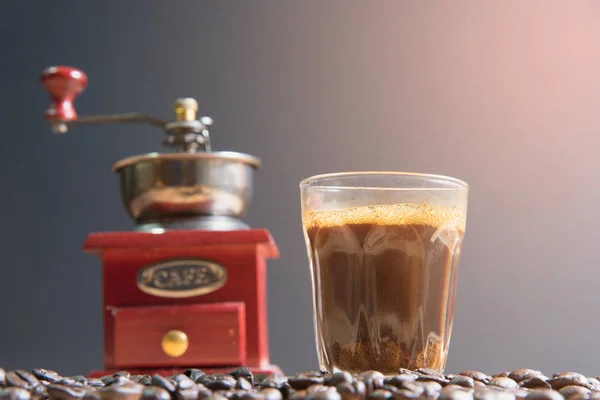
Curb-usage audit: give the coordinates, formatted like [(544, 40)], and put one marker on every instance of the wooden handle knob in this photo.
[(174, 343), (63, 84)]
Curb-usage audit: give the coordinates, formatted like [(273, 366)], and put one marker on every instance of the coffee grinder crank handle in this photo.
[(63, 84)]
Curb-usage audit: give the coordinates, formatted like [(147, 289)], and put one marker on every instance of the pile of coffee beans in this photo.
[(241, 384)]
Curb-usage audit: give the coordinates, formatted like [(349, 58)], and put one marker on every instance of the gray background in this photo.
[(505, 95)]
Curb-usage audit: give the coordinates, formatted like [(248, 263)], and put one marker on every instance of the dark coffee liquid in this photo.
[(384, 280)]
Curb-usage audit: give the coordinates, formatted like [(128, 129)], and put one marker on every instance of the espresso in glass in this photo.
[(384, 279)]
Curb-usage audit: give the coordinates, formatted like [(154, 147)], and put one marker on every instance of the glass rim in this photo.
[(461, 185)]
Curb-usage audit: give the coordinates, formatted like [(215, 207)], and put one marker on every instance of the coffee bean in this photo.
[(390, 388), (430, 385), (129, 391), (404, 371), (476, 376), (146, 380), (14, 393), (431, 390), (405, 394), (164, 383), (217, 396), (271, 394), (298, 395), (544, 394), (220, 384), (326, 395), (46, 375), (275, 380), (2, 377), (451, 387), (338, 377), (456, 394), (225, 377), (183, 382), (93, 382), (62, 392), (285, 390), (136, 378), (80, 378), (40, 389), (74, 383), (322, 374), (155, 393), (399, 381), (523, 373), (203, 392), (235, 394), (250, 396), (187, 394), (318, 388), (373, 380), (479, 384), (39, 392), (503, 382), (487, 394), (430, 372), (258, 378), (300, 382), (415, 387), (535, 382), (380, 394), (568, 379), (115, 380), (243, 384), (347, 391), (579, 396), (520, 393), (433, 378), (204, 379), (243, 372), (28, 377), (360, 388), (122, 373), (194, 373), (501, 375), (12, 379), (464, 381), (571, 390), (91, 395), (496, 389)]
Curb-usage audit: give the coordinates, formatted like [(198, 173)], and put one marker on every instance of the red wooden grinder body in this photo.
[(207, 286)]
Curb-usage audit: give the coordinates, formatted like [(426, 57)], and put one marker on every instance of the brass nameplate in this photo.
[(181, 278)]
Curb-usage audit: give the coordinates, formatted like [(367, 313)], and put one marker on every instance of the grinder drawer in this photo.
[(185, 335)]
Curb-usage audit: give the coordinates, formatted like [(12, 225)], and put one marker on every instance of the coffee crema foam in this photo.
[(448, 217)]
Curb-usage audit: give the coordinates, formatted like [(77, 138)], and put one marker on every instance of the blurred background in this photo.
[(505, 95)]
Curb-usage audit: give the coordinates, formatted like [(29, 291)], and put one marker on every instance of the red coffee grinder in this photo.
[(186, 287)]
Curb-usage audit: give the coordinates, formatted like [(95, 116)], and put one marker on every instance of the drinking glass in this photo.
[(383, 249)]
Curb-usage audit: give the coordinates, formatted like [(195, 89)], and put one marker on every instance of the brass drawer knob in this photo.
[(174, 343)]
